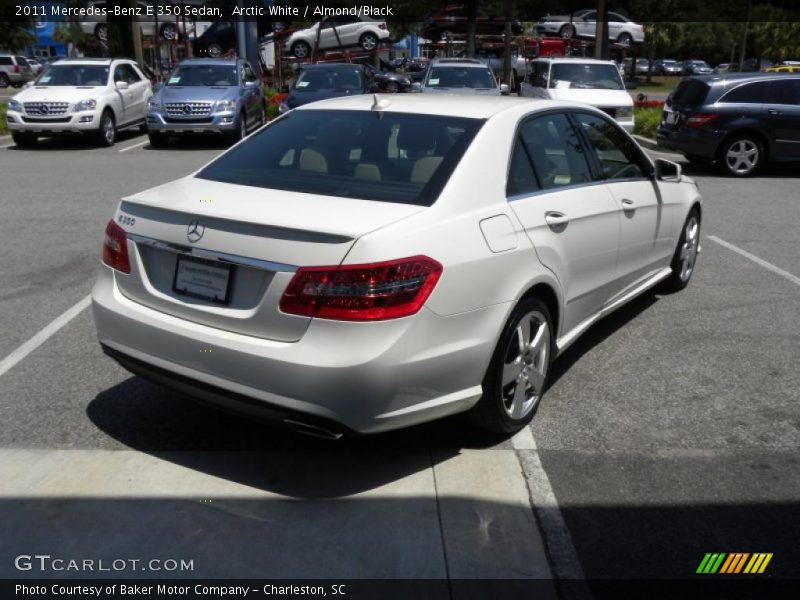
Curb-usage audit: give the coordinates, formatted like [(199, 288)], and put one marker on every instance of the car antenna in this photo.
[(380, 104)]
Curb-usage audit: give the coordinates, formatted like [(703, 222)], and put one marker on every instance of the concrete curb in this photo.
[(646, 142)]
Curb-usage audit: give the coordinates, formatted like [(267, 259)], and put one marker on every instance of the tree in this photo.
[(15, 31)]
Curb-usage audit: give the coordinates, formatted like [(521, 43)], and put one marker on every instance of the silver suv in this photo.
[(207, 95), (14, 70), (460, 76)]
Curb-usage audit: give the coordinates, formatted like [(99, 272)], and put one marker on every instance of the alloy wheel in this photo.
[(108, 129), (742, 157), (525, 366), (691, 243)]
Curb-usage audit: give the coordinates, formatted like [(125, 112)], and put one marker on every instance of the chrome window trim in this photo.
[(256, 263)]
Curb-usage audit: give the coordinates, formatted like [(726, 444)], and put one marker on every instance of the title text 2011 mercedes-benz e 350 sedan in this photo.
[(363, 264)]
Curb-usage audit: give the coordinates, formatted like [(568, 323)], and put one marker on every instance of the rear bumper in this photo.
[(692, 142), (360, 377), (215, 123)]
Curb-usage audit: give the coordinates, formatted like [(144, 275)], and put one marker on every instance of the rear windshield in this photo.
[(384, 156), (344, 79), (690, 92), (74, 75), (585, 76), (461, 77), (204, 75)]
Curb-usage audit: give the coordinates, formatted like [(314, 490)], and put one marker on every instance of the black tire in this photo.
[(368, 41), (4, 80), (679, 278), (301, 49), (106, 134), (566, 32), (741, 155), (142, 129), (24, 140), (495, 411), (241, 131), (214, 50), (391, 87), (157, 140), (626, 39)]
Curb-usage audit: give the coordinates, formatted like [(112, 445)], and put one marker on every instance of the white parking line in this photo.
[(759, 261), (40, 338), (7, 146), (556, 534), (134, 146)]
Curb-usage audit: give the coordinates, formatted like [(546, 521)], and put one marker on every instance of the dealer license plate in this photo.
[(201, 278)]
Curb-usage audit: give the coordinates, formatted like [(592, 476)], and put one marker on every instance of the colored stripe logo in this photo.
[(734, 562)]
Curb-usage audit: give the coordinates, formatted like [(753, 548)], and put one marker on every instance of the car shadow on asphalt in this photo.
[(192, 143), (155, 420), (599, 332), (74, 142)]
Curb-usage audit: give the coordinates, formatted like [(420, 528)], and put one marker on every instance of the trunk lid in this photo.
[(261, 235)]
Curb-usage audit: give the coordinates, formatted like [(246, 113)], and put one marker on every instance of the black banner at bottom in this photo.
[(402, 589)]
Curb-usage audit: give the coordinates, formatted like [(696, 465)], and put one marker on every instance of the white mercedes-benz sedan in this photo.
[(368, 263)]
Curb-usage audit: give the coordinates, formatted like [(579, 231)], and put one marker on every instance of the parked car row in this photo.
[(100, 97)]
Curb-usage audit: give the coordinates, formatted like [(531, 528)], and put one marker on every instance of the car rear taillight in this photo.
[(381, 25), (16, 68), (115, 248), (699, 120), (370, 292)]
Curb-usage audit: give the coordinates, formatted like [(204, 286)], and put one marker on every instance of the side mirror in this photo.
[(416, 86), (122, 85), (251, 84), (667, 170), (504, 89)]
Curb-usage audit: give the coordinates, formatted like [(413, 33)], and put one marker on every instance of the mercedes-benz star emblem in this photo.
[(187, 109), (195, 231), (44, 109)]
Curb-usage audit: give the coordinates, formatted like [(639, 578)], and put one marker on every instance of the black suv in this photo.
[(739, 120)]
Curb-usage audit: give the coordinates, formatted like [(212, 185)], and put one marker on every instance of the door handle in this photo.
[(555, 219), (628, 204), (774, 111)]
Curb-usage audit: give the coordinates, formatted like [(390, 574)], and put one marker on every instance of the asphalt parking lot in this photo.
[(670, 430)]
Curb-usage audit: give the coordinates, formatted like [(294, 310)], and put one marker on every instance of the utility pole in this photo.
[(601, 31), (136, 28), (743, 49)]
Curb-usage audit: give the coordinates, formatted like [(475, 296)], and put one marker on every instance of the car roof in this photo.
[(575, 59), (451, 105), (93, 61), (329, 65), (460, 63), (210, 61), (731, 78)]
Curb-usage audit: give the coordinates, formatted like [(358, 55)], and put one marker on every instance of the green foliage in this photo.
[(3, 128), (647, 120), (272, 111)]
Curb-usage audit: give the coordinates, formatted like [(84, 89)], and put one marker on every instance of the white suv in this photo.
[(89, 96), (594, 82), (337, 32)]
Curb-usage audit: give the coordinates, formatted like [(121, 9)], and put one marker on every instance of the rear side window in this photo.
[(785, 91), (384, 156), (521, 178), (690, 92), (21, 61), (5, 60), (556, 151), (748, 93)]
